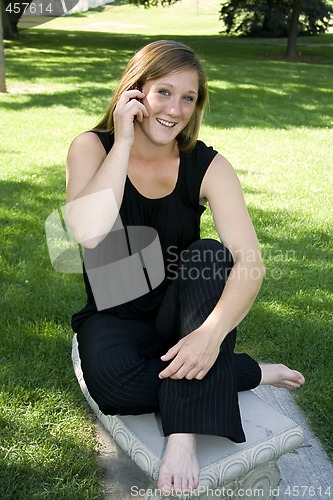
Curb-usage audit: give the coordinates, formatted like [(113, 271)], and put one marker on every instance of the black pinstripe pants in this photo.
[(120, 356)]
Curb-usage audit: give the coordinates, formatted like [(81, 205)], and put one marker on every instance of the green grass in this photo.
[(188, 16), (270, 117)]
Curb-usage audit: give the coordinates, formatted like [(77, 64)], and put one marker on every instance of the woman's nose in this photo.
[(175, 108)]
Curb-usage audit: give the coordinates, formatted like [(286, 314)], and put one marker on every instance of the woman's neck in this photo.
[(148, 152)]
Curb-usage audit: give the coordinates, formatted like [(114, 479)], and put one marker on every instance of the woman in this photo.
[(171, 349)]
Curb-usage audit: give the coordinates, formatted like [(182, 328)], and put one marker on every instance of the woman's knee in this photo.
[(206, 261), (207, 250)]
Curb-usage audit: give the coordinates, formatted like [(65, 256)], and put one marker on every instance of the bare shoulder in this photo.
[(220, 177), (220, 165), (85, 156), (222, 189), (87, 142)]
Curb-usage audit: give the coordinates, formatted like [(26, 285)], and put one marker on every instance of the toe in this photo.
[(300, 378), (165, 490), (192, 484), (164, 484), (187, 489), (177, 485)]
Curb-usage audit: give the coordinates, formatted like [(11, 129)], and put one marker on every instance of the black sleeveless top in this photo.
[(175, 217)]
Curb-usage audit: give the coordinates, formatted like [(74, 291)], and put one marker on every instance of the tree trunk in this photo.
[(6, 26), (293, 31), (2, 54), (10, 18)]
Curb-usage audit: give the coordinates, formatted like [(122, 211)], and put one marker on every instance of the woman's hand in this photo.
[(193, 356), (127, 110)]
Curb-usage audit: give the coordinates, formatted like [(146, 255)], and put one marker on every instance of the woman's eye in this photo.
[(164, 92), (189, 98)]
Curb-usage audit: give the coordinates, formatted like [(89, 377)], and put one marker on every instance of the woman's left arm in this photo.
[(222, 189), (194, 355)]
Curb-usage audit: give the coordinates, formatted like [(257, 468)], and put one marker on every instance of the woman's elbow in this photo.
[(87, 240), (259, 270), (80, 234)]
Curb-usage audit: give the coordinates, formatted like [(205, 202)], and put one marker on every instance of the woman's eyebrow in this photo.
[(171, 85)]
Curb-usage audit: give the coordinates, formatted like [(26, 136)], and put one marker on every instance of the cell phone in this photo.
[(136, 87)]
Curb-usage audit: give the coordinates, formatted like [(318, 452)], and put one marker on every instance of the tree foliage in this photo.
[(153, 3), (273, 18), (2, 54)]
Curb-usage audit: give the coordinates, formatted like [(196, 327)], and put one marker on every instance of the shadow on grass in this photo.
[(291, 320), (26, 263), (292, 314), (250, 89), (293, 311), (25, 475), (43, 454)]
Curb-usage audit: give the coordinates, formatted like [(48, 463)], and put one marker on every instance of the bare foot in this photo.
[(281, 376), (179, 472)]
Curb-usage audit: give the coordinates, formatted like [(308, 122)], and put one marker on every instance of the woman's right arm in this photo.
[(95, 186), (95, 181)]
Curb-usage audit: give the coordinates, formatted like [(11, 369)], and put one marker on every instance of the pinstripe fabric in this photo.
[(120, 357)]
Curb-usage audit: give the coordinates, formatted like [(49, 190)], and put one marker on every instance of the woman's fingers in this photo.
[(172, 369), (133, 97), (172, 351), (183, 371), (130, 108), (192, 357), (133, 94)]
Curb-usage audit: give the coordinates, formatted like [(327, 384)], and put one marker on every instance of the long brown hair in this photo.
[(153, 61)]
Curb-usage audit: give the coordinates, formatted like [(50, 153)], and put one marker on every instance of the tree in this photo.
[(2, 55), (293, 32), (12, 13), (276, 18)]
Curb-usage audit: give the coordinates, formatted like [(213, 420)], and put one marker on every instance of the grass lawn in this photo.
[(273, 121)]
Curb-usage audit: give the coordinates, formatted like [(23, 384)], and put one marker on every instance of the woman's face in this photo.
[(170, 102)]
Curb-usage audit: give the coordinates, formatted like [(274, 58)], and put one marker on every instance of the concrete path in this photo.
[(305, 474)]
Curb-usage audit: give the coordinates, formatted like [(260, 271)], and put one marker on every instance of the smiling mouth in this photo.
[(166, 123)]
